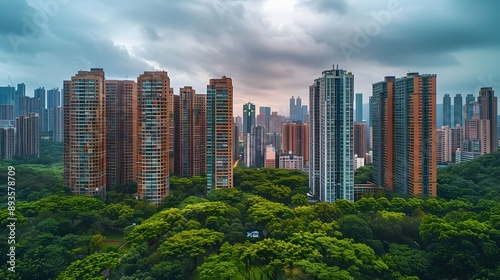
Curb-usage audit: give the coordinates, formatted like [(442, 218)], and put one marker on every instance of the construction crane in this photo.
[(11, 83)]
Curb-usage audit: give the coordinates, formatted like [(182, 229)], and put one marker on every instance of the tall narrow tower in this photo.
[(220, 133), (488, 103), (85, 133), (153, 129), (447, 110), (332, 114)]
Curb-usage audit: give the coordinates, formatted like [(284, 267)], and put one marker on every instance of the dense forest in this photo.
[(264, 228)]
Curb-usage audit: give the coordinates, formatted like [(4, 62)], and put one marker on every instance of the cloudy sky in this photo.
[(273, 49)]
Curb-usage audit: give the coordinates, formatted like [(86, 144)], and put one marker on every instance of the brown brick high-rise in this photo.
[(85, 133), (153, 129)]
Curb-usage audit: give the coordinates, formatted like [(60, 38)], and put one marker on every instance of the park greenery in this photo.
[(195, 235)]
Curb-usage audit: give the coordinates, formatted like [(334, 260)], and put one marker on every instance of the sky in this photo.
[(272, 49)]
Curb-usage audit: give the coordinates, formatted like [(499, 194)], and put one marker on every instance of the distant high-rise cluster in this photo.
[(474, 131)]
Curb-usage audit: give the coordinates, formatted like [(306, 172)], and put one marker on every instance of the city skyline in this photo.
[(269, 48)]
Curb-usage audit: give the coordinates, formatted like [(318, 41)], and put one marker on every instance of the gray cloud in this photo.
[(271, 51)]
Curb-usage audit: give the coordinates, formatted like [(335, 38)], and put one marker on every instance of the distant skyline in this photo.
[(272, 49)]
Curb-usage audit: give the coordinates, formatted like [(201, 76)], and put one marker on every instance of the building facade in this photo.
[(404, 134), (446, 110), (332, 101), (85, 133), (121, 132), (153, 131), (220, 133), (295, 140), (190, 136)]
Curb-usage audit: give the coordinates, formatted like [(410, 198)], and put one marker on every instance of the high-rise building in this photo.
[(304, 115), (28, 105), (296, 110), (270, 157), (53, 98), (443, 147), (276, 122), (469, 110), (248, 117), (220, 133), (488, 103), (477, 131), (7, 139), (190, 136), (58, 126), (153, 135), (360, 140), (446, 110), (275, 139), (382, 119), (85, 133), (359, 108), (121, 132), (457, 108), (7, 95), (331, 101), (456, 138), (6, 112), (40, 94), (266, 113), (20, 92), (248, 123), (27, 137), (404, 134), (295, 140), (255, 143), (415, 134)]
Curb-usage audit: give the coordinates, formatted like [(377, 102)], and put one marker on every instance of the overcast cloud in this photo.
[(273, 49)]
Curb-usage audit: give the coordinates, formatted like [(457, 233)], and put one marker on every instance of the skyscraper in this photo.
[(404, 133), (153, 131), (20, 92), (256, 146), (332, 112), (382, 119), (417, 94), (40, 94), (85, 133), (220, 133), (295, 140), (121, 132), (7, 95), (53, 98), (457, 108), (58, 126), (248, 123), (7, 140), (446, 110), (248, 117), (266, 113), (190, 136), (360, 139), (469, 111), (488, 104), (359, 107), (27, 137)]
